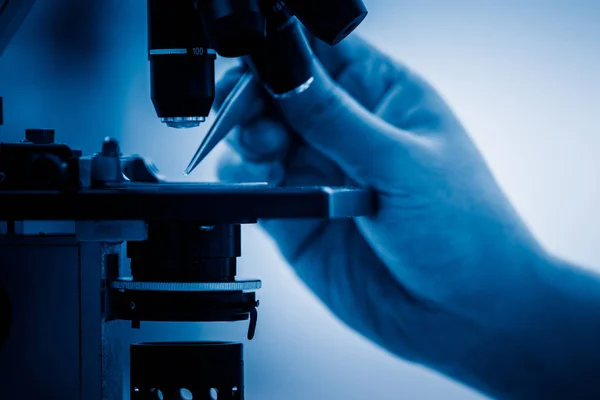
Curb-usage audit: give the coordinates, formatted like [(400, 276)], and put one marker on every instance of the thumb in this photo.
[(334, 123)]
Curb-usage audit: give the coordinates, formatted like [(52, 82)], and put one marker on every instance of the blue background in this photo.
[(523, 75)]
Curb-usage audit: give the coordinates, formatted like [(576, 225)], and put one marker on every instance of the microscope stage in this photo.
[(208, 202)]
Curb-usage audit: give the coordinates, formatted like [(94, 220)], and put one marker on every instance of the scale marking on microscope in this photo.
[(197, 51)]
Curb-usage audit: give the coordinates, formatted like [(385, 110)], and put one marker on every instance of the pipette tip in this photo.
[(226, 120)]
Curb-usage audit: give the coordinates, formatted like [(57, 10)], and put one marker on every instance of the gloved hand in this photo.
[(445, 264)]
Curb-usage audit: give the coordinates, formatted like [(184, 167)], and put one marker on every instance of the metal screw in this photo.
[(132, 305)]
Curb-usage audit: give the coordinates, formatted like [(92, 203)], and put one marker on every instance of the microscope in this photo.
[(94, 245)]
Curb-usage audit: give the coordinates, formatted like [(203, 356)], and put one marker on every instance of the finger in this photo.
[(232, 168), (381, 84), (265, 139), (333, 122), (363, 71)]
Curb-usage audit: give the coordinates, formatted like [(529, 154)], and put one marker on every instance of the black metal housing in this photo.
[(186, 252), (136, 306), (235, 27), (284, 62), (182, 66), (331, 20), (206, 370)]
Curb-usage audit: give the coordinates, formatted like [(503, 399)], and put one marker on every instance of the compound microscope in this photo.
[(91, 246)]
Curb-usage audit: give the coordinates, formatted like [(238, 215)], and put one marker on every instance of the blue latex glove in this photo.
[(445, 274)]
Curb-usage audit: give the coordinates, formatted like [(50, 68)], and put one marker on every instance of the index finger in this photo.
[(383, 85), (366, 73)]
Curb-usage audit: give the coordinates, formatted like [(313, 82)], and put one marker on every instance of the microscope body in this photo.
[(98, 249), (73, 336), (94, 249), (59, 345)]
